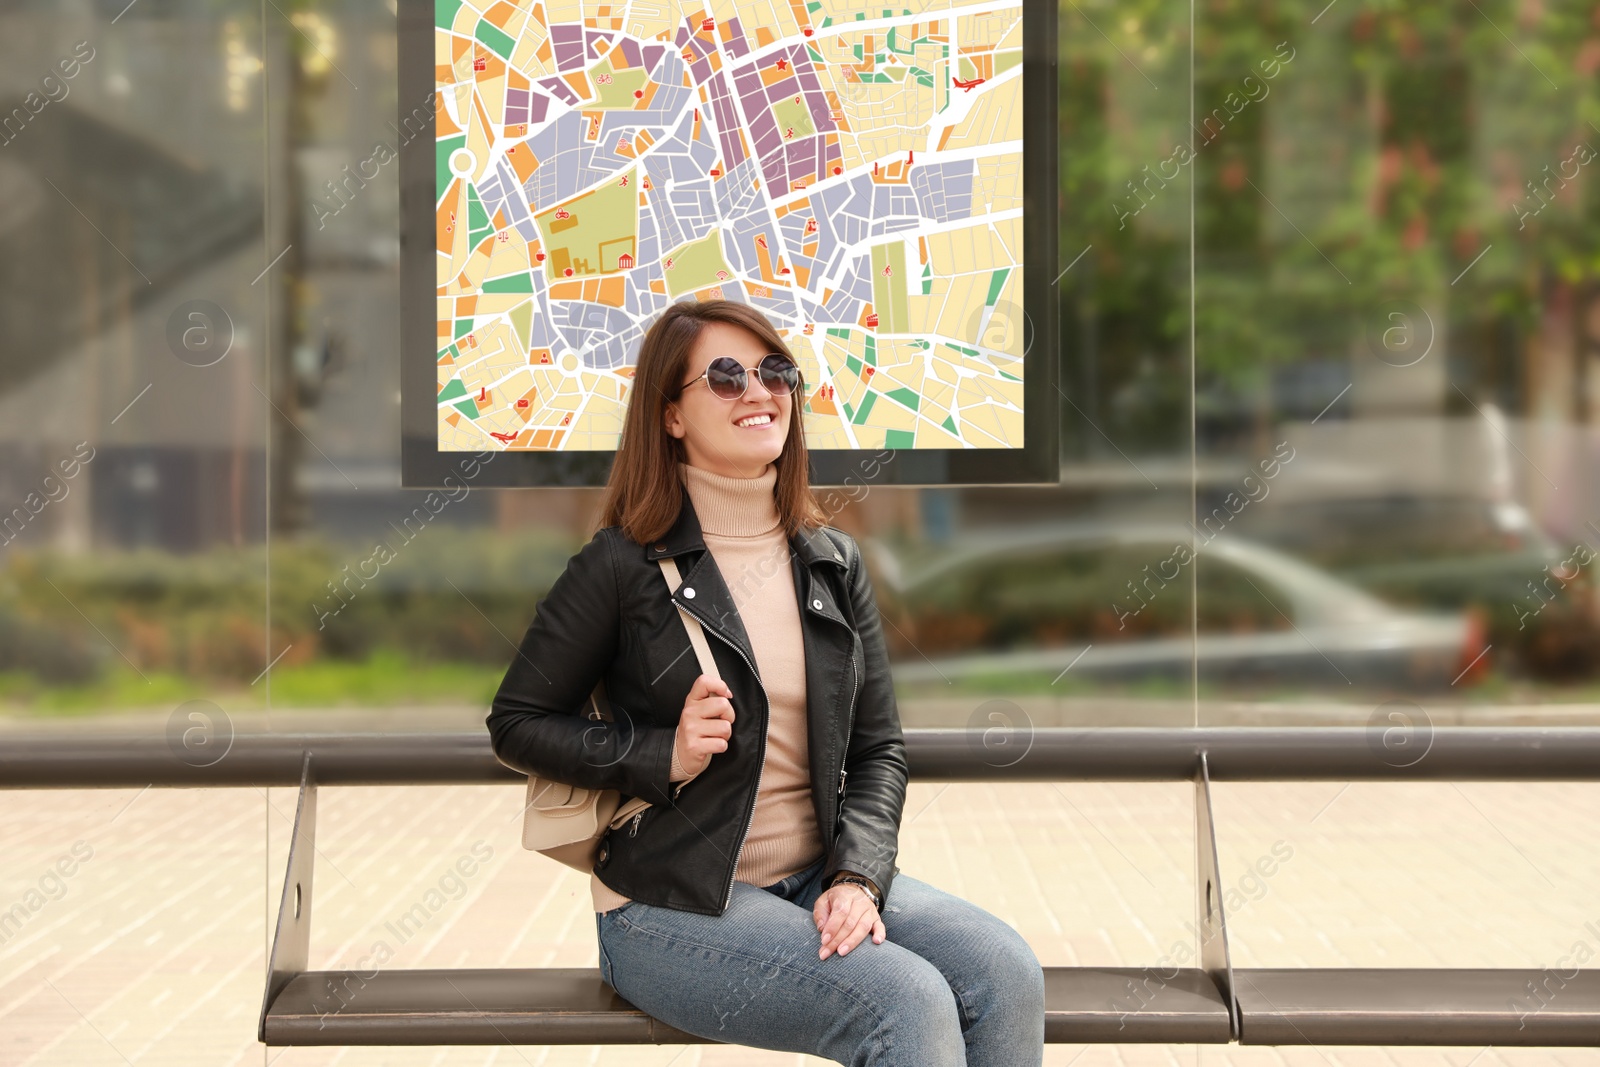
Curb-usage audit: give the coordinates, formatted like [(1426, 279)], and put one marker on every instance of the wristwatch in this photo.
[(863, 882)]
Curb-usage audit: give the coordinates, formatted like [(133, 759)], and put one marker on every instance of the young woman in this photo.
[(757, 901)]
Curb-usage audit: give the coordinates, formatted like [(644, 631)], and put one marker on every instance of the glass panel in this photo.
[(1394, 315), (135, 328), (132, 424)]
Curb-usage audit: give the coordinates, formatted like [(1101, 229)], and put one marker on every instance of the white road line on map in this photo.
[(968, 100)]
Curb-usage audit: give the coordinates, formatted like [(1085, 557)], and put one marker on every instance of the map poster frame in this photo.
[(425, 465)]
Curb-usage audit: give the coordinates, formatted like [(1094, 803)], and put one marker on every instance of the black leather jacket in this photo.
[(610, 615)]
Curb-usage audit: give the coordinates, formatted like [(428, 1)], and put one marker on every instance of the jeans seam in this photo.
[(600, 944), (968, 1016), (849, 991)]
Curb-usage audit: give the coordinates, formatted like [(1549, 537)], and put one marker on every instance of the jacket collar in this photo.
[(809, 543)]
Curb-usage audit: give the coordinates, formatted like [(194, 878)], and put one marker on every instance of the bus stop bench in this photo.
[(1212, 1003), (572, 1006)]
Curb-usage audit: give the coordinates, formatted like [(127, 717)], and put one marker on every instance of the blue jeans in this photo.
[(950, 985)]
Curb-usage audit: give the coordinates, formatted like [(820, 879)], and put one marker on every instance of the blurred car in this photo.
[(1486, 557), (1117, 602)]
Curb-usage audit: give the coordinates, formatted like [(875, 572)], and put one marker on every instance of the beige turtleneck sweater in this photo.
[(744, 533)]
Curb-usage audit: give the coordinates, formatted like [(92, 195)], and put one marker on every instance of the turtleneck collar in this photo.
[(732, 507)]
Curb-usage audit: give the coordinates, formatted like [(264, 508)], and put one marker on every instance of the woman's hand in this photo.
[(844, 915), (705, 725)]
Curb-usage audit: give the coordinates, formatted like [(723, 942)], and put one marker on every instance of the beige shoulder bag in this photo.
[(566, 822)]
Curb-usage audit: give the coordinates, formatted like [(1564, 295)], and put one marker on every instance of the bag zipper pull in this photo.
[(636, 820)]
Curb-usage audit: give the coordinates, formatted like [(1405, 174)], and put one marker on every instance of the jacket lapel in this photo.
[(830, 641)]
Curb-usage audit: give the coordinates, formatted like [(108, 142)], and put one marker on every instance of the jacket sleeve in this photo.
[(537, 723), (876, 770)]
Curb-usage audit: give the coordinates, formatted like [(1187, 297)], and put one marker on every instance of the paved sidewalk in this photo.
[(152, 951)]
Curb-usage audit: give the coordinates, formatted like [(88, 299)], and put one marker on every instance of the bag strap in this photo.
[(697, 636)]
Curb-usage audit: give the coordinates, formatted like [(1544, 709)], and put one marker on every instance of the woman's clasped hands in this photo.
[(845, 914)]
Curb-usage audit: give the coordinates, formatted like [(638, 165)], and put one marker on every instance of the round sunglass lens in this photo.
[(779, 374), (726, 377)]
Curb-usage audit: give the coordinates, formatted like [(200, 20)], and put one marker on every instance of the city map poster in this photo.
[(854, 171)]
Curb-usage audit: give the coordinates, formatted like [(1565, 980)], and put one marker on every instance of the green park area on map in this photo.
[(889, 289), (696, 264), (600, 226)]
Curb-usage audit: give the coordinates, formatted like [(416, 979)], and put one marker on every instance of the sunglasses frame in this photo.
[(746, 371)]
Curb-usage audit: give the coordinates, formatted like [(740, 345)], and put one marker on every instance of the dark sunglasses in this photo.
[(727, 378)]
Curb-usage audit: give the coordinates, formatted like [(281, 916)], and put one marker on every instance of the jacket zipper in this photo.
[(767, 707), (855, 679)]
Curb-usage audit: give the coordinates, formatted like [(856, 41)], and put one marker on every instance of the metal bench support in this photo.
[(1215, 959), (291, 941)]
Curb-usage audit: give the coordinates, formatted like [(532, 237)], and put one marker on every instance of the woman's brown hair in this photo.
[(644, 492)]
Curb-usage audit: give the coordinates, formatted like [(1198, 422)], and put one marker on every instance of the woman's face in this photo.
[(710, 427)]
